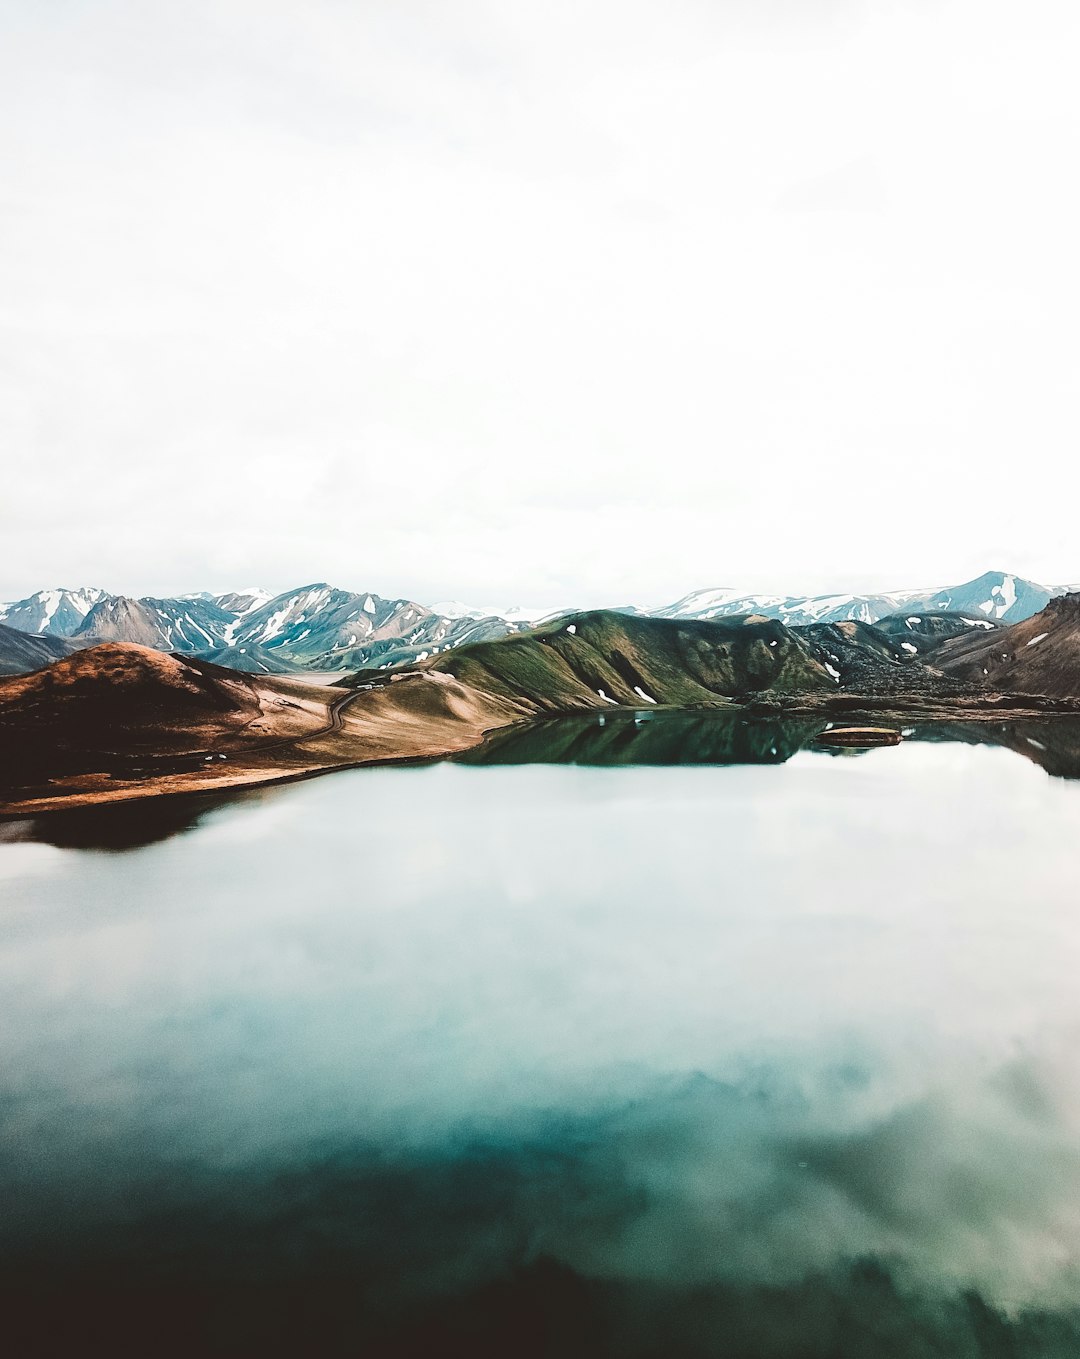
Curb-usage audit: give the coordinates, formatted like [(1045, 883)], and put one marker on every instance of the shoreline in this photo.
[(99, 789)]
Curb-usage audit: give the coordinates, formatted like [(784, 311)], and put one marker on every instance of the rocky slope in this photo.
[(251, 659), (1041, 655), (926, 631), (21, 652), (186, 625)]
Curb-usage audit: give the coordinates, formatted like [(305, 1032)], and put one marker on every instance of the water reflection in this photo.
[(707, 1219), (547, 1060), (648, 738), (601, 740), (120, 825), (723, 738)]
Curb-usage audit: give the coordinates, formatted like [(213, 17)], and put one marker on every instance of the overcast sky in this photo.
[(551, 302)]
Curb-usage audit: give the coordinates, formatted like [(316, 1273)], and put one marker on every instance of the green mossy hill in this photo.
[(635, 660)]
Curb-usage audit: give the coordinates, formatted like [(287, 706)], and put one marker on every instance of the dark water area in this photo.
[(670, 1035)]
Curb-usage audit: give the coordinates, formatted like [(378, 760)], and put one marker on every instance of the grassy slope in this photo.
[(674, 662)]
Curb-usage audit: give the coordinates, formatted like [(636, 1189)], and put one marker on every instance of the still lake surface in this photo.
[(628, 1056)]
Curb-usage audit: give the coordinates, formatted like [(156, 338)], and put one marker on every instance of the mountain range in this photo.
[(116, 720), (321, 627), (997, 595), (315, 626)]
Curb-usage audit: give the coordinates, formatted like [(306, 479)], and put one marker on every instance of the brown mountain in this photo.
[(1041, 655), (120, 721), (102, 707)]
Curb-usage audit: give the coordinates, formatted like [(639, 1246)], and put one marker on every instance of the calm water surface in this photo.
[(773, 1059)]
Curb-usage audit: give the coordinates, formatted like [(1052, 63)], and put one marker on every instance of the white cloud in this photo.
[(501, 301)]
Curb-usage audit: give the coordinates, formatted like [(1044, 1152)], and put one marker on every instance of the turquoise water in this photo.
[(776, 1058)]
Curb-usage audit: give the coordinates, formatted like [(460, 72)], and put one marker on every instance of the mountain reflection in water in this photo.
[(718, 737), (775, 1061)]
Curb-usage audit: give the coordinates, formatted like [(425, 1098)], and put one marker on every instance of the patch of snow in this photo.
[(369, 605), (642, 694), (572, 629), (274, 623), (1036, 640), (908, 647), (606, 698), (835, 673), (198, 628), (914, 620), (51, 601)]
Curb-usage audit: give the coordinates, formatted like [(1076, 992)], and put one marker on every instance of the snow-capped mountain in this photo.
[(56, 613), (516, 613), (995, 594), (428, 637), (329, 628), (316, 626), (793, 609), (320, 618), (167, 624)]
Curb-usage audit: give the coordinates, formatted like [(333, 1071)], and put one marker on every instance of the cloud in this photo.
[(257, 258)]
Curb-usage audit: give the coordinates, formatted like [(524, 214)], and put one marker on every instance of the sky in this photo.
[(576, 303)]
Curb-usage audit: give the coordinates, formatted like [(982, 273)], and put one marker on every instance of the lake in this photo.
[(656, 1036)]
